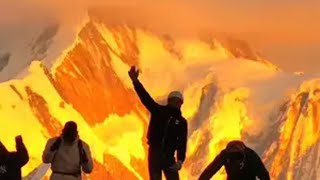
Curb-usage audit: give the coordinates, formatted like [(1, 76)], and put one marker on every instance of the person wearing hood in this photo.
[(167, 132), (68, 155), (240, 163), (12, 162)]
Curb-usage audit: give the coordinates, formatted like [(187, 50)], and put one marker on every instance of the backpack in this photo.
[(80, 150)]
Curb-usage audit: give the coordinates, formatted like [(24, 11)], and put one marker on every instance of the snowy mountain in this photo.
[(33, 41), (4, 60), (230, 93), (22, 50), (295, 153)]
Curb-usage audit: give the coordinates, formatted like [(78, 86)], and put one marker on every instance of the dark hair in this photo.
[(239, 145), (70, 131)]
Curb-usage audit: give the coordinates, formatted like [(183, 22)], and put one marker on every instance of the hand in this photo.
[(133, 73), (56, 144), (19, 139), (19, 142), (176, 167)]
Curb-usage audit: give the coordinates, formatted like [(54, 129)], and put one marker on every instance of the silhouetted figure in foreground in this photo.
[(12, 162), (240, 162), (68, 155), (167, 132)]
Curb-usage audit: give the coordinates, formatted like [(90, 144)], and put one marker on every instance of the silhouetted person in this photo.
[(68, 155), (240, 162), (167, 132), (12, 162)]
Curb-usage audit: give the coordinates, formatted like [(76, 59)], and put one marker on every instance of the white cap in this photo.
[(176, 94)]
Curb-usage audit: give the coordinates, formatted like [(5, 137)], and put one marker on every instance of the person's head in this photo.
[(175, 99), (70, 131), (235, 146), (236, 152)]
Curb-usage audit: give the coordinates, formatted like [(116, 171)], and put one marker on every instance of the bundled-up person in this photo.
[(68, 155), (240, 162), (167, 132), (12, 162)]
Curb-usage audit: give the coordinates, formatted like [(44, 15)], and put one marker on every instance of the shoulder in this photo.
[(251, 153), (162, 107), (249, 150), (52, 140), (158, 109), (184, 121), (223, 153), (83, 144), (222, 156)]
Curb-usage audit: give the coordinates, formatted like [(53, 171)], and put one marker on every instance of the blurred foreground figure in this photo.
[(68, 155), (240, 162), (12, 162), (167, 132)]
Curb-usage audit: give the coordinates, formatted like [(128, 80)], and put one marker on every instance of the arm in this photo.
[(182, 146), (261, 170), (22, 156), (144, 96), (87, 165), (213, 168), (49, 152)]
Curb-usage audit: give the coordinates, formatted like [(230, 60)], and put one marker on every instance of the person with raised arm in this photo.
[(167, 132), (12, 162)]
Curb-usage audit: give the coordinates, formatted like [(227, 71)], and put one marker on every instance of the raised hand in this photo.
[(19, 140), (133, 73)]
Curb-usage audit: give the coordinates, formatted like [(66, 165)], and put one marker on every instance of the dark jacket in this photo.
[(245, 166), (167, 128), (12, 162)]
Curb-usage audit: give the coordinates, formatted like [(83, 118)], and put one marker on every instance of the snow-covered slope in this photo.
[(22, 44)]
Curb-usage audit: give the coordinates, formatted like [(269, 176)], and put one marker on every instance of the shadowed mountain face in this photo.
[(87, 80), (4, 60), (237, 48), (31, 44), (40, 45), (86, 77), (40, 108)]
